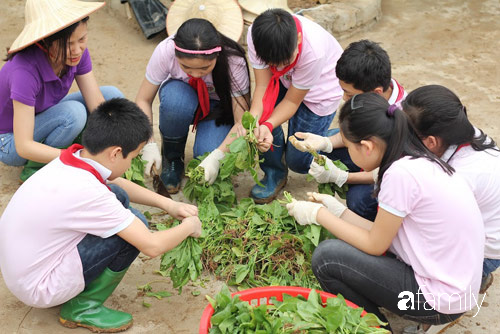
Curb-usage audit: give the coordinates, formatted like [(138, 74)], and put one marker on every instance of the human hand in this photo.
[(330, 202), (313, 142), (264, 138), (304, 212), (194, 224), (211, 165), (180, 210), (329, 174), (151, 154), (239, 129)]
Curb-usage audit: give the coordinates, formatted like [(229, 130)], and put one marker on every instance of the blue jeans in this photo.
[(371, 281), (489, 266), (304, 120), (178, 105), (98, 253), (359, 197), (57, 126)]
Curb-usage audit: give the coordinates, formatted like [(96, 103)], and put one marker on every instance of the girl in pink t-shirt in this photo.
[(428, 220), (201, 78), (441, 120)]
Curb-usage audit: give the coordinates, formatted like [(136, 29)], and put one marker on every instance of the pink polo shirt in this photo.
[(163, 65), (315, 68), (441, 237), (44, 222)]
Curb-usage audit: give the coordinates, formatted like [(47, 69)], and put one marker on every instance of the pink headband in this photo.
[(194, 52)]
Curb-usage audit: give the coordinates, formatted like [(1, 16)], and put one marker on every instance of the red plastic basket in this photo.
[(258, 296)]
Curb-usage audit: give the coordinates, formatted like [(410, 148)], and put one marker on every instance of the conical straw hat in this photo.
[(225, 15), (256, 7), (46, 17)]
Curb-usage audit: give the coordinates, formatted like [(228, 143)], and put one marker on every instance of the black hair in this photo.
[(364, 65), (61, 38), (116, 122), (200, 34), (371, 118), (436, 111), (274, 35)]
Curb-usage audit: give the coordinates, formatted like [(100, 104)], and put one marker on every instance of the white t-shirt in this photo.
[(42, 225), (441, 237), (481, 170), (163, 66), (314, 70)]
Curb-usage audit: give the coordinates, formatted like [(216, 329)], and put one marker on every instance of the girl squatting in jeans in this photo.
[(202, 78), (441, 121), (428, 222)]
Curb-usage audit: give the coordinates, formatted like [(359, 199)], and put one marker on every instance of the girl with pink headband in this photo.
[(202, 79)]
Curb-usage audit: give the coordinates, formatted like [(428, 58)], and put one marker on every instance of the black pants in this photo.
[(372, 282)]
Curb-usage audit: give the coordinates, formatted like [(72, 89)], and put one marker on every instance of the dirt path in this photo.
[(450, 42)]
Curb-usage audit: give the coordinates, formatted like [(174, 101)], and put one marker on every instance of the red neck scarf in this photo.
[(69, 159), (273, 88), (204, 102)]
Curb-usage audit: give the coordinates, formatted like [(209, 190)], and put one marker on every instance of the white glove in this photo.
[(151, 154), (375, 174), (331, 203), (211, 165), (313, 142), (304, 212), (329, 175)]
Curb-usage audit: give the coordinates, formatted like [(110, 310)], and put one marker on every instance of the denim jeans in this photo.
[(57, 126), (304, 120), (178, 105), (371, 281), (359, 197), (489, 266), (98, 253)]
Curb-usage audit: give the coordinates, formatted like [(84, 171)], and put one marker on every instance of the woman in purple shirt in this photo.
[(37, 116)]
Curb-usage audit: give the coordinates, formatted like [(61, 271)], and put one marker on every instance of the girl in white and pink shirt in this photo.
[(441, 120), (428, 222), (202, 79)]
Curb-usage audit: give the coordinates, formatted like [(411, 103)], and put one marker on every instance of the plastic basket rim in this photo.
[(252, 292)]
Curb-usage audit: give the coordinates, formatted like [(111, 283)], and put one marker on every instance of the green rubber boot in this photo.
[(30, 168), (86, 309)]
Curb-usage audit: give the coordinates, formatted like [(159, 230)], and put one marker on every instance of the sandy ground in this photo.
[(450, 42)]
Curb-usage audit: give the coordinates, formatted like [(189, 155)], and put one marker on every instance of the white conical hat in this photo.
[(46, 17), (256, 7), (225, 15)]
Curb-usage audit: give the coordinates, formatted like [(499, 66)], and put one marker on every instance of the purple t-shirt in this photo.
[(28, 78)]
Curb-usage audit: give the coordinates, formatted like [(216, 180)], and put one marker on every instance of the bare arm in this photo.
[(24, 126), (262, 78), (141, 195), (288, 106), (360, 178), (240, 105), (90, 90), (157, 243), (374, 241), (145, 97), (336, 140)]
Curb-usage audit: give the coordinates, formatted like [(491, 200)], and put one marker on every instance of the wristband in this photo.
[(269, 125)]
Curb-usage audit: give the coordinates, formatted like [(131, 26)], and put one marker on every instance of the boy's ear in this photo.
[(115, 152), (379, 90), (299, 38)]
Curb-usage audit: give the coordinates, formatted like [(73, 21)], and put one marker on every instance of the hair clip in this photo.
[(392, 108)]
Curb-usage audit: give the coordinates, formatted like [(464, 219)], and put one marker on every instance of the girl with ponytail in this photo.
[(427, 238), (441, 121)]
